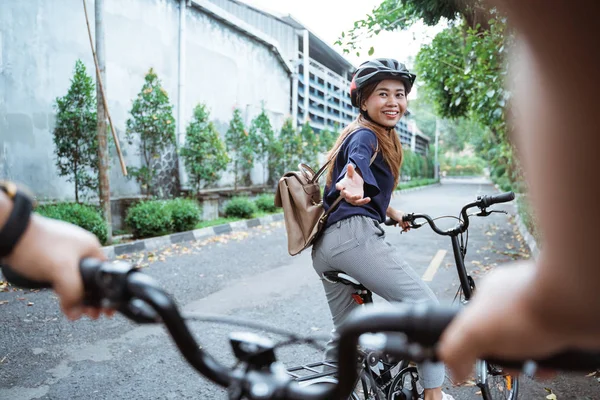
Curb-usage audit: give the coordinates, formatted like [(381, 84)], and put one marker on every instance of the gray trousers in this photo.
[(357, 246)]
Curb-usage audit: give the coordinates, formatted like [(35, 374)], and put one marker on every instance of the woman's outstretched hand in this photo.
[(351, 187)]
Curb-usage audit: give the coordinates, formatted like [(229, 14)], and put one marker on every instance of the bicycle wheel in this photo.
[(495, 384), (406, 386)]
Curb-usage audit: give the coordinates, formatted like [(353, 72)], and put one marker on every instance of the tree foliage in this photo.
[(74, 135), (262, 138), (463, 70), (326, 140), (393, 15), (473, 86), (310, 145), (152, 122), (204, 152), (240, 146), (291, 144)]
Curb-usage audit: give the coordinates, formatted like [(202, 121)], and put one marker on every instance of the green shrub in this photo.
[(150, 218), (504, 183), (266, 203), (82, 215), (240, 207), (185, 214)]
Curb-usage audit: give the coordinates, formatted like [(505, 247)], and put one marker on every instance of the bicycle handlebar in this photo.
[(139, 297), (482, 202)]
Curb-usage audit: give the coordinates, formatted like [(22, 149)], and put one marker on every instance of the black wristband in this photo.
[(17, 221)]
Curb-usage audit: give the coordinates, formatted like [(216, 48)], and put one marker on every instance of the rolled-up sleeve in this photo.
[(361, 147)]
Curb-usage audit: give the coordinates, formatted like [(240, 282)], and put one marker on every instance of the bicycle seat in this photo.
[(342, 277)]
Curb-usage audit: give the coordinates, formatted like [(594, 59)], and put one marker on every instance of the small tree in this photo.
[(262, 138), (74, 136), (204, 152), (152, 120), (326, 140), (239, 143), (291, 145), (310, 145)]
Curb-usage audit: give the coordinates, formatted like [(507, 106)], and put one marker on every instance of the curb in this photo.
[(155, 243), (527, 237), (525, 234)]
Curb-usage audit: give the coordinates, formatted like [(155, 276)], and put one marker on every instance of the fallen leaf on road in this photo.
[(30, 304), (551, 396), (21, 298), (3, 302)]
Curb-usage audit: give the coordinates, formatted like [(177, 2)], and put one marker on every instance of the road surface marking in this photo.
[(434, 265)]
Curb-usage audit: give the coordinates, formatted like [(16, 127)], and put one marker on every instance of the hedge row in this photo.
[(154, 217)]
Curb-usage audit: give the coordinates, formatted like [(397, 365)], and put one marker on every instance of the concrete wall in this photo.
[(40, 40)]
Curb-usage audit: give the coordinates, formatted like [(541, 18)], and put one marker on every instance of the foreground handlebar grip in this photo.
[(88, 268), (487, 201), (17, 279)]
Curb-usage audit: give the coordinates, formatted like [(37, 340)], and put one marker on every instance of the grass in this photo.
[(214, 222), (416, 183), (226, 220)]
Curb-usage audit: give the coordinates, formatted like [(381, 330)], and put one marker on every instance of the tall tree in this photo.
[(310, 145), (74, 135), (262, 137), (204, 152), (152, 122), (291, 143), (240, 147)]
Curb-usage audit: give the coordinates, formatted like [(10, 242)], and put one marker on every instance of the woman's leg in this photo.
[(339, 296), (367, 257)]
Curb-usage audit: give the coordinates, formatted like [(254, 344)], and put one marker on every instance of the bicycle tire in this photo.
[(494, 384)]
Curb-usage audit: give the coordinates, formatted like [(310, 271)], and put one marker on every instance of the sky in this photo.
[(328, 18)]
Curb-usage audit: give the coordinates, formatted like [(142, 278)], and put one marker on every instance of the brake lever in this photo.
[(413, 226), (485, 213)]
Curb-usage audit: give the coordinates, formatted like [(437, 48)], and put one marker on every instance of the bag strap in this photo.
[(337, 201), (318, 174)]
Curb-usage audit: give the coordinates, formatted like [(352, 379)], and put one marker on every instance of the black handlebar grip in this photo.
[(405, 218), (17, 279), (87, 267), (487, 201)]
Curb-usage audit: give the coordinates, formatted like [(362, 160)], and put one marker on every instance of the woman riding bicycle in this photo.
[(365, 173)]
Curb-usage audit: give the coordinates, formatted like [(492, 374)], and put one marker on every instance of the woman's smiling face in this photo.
[(387, 104)]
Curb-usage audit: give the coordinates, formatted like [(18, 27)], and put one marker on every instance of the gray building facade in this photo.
[(223, 62), (230, 55)]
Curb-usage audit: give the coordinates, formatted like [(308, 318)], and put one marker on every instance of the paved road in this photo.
[(248, 275)]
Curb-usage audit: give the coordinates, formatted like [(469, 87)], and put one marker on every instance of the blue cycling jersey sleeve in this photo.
[(359, 150)]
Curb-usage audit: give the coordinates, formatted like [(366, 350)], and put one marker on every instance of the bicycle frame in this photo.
[(466, 282)]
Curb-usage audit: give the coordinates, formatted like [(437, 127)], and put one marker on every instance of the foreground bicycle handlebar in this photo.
[(410, 332)]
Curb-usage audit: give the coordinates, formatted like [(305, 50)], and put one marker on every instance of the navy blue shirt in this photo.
[(358, 149)]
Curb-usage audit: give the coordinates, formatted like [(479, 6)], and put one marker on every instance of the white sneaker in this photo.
[(446, 396)]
